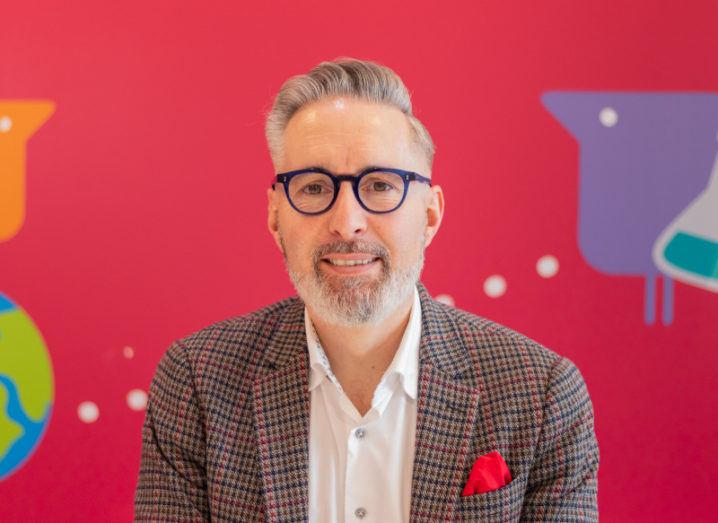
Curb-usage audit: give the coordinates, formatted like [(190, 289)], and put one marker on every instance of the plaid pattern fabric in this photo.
[(226, 431)]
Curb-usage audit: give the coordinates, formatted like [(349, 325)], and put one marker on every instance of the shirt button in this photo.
[(360, 434), (360, 512)]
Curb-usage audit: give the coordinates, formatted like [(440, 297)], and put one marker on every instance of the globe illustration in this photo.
[(26, 387)]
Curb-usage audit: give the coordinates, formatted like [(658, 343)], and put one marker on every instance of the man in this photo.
[(363, 399)]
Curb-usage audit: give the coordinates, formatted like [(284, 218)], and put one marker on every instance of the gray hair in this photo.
[(360, 79)]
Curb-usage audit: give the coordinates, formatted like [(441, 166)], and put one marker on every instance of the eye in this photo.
[(381, 186), (313, 189), (381, 183)]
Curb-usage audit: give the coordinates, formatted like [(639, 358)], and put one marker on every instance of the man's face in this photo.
[(346, 135)]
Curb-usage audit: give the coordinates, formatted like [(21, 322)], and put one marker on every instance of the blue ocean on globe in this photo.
[(32, 430)]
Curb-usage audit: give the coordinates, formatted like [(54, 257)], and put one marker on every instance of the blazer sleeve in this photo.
[(172, 483), (562, 484)]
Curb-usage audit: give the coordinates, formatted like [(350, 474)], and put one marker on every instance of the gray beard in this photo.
[(354, 301)]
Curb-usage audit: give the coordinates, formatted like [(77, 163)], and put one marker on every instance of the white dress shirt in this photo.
[(360, 468)]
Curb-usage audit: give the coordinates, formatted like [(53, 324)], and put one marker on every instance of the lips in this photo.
[(350, 264), (351, 258), (343, 261)]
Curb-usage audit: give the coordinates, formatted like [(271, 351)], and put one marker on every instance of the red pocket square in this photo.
[(488, 473)]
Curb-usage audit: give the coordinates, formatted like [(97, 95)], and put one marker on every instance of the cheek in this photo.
[(296, 237), (404, 242)]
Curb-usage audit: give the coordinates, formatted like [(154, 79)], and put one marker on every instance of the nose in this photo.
[(347, 217)]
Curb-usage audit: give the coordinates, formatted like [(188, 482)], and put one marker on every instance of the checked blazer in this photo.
[(227, 425)]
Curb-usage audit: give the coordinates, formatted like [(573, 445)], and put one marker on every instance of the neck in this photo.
[(366, 348)]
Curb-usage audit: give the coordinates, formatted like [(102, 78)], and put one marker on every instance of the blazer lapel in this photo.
[(281, 410), (449, 391)]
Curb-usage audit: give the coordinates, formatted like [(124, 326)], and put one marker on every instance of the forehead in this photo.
[(345, 134)]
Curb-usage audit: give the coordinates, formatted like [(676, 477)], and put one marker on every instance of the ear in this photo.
[(272, 221), (434, 213)]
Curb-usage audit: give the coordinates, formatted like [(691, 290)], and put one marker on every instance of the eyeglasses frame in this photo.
[(337, 179)]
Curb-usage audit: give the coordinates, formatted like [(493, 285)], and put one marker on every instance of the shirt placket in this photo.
[(356, 432), (358, 437)]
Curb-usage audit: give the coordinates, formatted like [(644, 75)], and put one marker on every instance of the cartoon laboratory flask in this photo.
[(687, 250), (18, 122)]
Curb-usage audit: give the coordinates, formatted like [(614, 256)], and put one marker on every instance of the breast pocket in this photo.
[(503, 504)]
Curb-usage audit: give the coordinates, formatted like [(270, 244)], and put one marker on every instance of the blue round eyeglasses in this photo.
[(378, 190)]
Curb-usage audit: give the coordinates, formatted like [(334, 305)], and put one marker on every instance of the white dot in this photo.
[(137, 399), (608, 116), (88, 412), (547, 266), (495, 286), (5, 124), (128, 352), (446, 299)]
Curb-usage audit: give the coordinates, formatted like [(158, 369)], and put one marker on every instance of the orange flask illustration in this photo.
[(18, 122)]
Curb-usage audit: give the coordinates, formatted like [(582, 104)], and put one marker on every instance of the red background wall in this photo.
[(146, 210)]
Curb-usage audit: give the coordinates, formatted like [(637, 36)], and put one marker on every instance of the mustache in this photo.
[(340, 247)]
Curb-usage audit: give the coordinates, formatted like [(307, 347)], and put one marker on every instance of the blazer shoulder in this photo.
[(496, 346), (237, 325), (517, 369), (232, 345)]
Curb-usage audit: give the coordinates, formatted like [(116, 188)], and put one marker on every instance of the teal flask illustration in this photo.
[(687, 249)]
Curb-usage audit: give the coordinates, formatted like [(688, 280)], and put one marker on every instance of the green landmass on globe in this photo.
[(26, 387)]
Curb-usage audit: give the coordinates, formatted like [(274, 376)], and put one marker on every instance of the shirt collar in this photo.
[(405, 363)]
